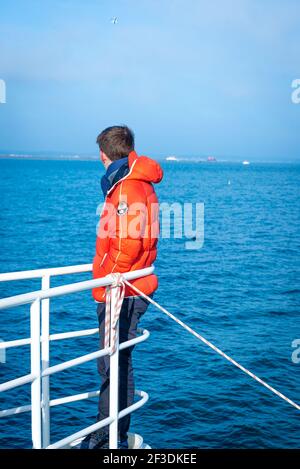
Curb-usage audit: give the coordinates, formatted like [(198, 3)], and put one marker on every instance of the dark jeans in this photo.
[(131, 312)]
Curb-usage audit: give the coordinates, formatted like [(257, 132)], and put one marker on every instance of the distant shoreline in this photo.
[(28, 157), (15, 156)]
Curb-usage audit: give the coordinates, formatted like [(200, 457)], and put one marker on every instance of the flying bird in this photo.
[(114, 20)]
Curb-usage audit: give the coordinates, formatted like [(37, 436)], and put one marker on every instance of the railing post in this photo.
[(45, 363), (114, 379), (36, 371)]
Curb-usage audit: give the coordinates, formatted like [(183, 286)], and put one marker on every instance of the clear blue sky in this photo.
[(190, 77)]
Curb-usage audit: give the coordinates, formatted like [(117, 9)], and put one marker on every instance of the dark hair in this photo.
[(116, 141)]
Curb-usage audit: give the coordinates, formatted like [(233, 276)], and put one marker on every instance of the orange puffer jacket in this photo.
[(129, 226)]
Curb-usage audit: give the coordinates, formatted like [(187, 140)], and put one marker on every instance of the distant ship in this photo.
[(171, 158), (246, 162), (211, 159)]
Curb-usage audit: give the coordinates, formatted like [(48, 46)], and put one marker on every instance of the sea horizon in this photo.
[(201, 158)]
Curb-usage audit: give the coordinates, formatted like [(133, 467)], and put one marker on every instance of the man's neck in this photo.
[(114, 165)]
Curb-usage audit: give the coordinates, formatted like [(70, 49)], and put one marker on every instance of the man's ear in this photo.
[(104, 158)]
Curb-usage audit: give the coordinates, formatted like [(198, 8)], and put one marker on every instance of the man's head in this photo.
[(115, 142)]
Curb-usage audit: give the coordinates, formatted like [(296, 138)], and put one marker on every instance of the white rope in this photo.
[(112, 317), (213, 347)]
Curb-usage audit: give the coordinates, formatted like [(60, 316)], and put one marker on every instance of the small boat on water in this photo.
[(245, 162), (171, 158)]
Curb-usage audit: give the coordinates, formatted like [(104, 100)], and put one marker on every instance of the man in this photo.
[(126, 240)]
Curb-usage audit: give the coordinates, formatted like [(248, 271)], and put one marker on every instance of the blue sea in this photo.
[(241, 291)]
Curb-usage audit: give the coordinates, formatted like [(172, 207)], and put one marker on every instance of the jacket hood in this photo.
[(143, 168)]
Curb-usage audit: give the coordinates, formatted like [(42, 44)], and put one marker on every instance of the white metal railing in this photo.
[(39, 341)]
